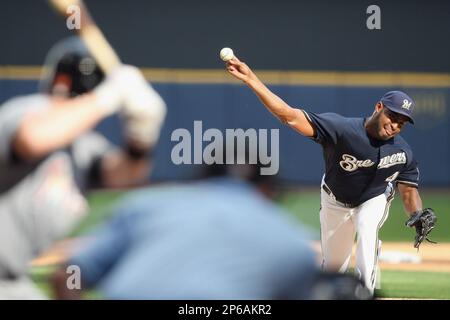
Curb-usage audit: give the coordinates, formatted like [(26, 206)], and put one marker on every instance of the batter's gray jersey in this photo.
[(40, 201)]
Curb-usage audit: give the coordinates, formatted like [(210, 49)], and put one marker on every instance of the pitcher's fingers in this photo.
[(229, 64), (235, 61)]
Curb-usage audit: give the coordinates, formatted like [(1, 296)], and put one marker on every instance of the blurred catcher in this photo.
[(223, 238), (50, 155)]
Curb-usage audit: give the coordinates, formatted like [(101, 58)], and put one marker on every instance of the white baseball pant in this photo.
[(339, 224)]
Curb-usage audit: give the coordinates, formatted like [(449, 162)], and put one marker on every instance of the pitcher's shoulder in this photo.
[(402, 143)]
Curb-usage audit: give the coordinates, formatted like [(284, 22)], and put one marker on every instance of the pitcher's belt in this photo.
[(344, 204)]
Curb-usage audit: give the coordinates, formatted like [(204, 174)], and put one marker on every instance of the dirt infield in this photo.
[(434, 257), (394, 256)]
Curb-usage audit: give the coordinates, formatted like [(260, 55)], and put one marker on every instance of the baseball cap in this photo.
[(399, 102)]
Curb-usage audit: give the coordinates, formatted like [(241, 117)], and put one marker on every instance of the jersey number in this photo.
[(393, 177)]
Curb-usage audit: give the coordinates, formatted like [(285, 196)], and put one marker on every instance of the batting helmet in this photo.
[(69, 70)]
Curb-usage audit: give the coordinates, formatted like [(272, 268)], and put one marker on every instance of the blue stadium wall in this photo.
[(314, 36), (234, 106)]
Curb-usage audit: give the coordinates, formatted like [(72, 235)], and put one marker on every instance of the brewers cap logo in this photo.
[(406, 104)]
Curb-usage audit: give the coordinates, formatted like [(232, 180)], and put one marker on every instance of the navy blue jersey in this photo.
[(359, 167)]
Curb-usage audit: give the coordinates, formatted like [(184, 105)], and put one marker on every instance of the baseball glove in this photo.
[(424, 221)]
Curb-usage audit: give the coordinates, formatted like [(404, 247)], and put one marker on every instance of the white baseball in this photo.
[(226, 54)]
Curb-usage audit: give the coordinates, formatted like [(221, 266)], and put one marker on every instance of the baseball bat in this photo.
[(90, 34), (108, 60)]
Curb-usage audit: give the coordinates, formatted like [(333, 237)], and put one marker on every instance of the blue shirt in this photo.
[(218, 239), (358, 167)]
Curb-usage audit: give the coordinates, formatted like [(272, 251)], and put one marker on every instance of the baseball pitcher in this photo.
[(364, 159)]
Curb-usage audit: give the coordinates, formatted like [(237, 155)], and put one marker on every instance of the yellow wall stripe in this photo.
[(307, 78), (19, 72)]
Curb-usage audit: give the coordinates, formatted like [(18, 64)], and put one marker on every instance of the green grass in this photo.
[(101, 204), (419, 285), (394, 284), (305, 206)]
